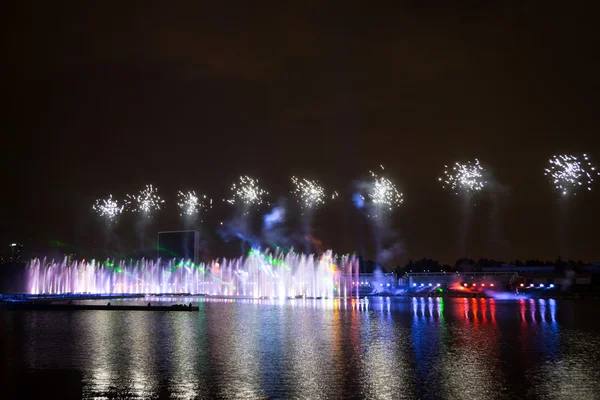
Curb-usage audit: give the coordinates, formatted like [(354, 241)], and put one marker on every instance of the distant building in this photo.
[(15, 252), (521, 269)]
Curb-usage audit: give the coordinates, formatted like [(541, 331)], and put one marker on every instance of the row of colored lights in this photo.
[(541, 285), (474, 284), (369, 284), (422, 284)]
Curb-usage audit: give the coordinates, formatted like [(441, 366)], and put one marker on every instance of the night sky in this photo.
[(106, 97)]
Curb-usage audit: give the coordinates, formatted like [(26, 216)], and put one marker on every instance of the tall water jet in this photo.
[(257, 275)]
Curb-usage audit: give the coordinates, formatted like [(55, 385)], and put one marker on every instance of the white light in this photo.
[(414, 284), (430, 284), (438, 284), (468, 177), (551, 285), (422, 284), (13, 245), (541, 285)]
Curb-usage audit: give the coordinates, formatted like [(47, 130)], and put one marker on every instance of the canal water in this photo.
[(412, 348)]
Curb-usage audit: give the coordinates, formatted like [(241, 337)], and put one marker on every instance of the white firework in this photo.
[(146, 202), (569, 174), (190, 204), (384, 195), (108, 208), (310, 194), (465, 178), (248, 192)]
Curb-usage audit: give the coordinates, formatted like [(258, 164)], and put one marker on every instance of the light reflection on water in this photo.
[(339, 348)]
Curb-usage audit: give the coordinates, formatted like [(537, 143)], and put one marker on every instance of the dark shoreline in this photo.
[(45, 306)]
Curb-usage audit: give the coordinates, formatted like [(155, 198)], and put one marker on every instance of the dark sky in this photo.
[(105, 97)]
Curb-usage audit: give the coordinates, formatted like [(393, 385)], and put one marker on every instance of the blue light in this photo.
[(551, 285), (414, 284), (430, 284), (422, 284), (541, 285)]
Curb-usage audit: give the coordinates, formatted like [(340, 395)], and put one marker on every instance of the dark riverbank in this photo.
[(47, 306)]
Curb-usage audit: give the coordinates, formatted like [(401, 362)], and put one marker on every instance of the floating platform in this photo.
[(32, 306)]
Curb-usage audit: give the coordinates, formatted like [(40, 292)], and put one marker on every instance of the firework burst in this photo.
[(108, 208), (383, 195), (569, 174), (466, 178), (247, 192), (190, 204), (310, 194), (146, 202)]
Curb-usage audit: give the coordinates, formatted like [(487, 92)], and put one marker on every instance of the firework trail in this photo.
[(379, 197), (466, 180), (569, 174), (310, 195), (147, 202), (247, 194)]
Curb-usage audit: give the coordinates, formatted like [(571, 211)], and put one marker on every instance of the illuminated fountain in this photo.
[(260, 274)]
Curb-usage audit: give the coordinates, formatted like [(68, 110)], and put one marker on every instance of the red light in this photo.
[(474, 284), (491, 284), (521, 285), (483, 284), (465, 285)]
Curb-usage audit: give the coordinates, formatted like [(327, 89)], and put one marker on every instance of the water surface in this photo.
[(413, 348)]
